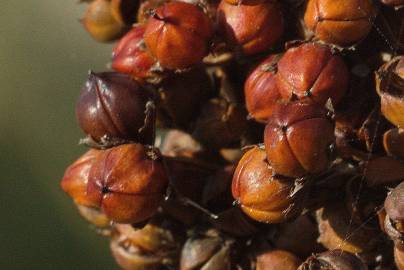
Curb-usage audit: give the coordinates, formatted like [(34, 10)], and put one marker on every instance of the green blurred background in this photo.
[(45, 55)]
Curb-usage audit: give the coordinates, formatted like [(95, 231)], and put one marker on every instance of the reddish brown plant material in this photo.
[(131, 56), (112, 106), (178, 35), (262, 195), (298, 138), (251, 27), (312, 71), (261, 91), (128, 182), (333, 260), (340, 22)]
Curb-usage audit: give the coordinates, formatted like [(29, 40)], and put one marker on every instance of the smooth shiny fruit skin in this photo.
[(261, 91), (312, 71), (252, 28), (262, 195), (127, 183), (178, 35), (131, 56), (340, 22), (75, 178), (298, 138), (113, 106)]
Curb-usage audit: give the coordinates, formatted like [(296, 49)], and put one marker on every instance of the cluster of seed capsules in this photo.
[(245, 134)]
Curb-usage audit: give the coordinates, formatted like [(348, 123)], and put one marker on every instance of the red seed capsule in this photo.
[(261, 91), (131, 56), (128, 182), (252, 28), (75, 179), (297, 139), (178, 35), (311, 70), (340, 22), (262, 195)]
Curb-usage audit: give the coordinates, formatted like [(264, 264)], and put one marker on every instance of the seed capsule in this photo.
[(178, 35), (312, 71), (394, 220), (75, 179), (124, 11), (390, 87), (180, 98), (262, 195), (155, 245), (297, 139), (277, 259), (298, 236), (261, 90), (128, 182), (74, 183), (220, 123), (208, 250), (343, 22), (393, 141), (251, 27), (99, 22), (337, 232), (112, 106), (131, 56), (333, 260)]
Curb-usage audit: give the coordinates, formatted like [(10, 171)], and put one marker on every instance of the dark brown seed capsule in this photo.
[(312, 71), (178, 35), (124, 11), (333, 260), (112, 107), (261, 91), (128, 182), (100, 23), (277, 259), (251, 27), (155, 245), (383, 170), (393, 141), (208, 250), (343, 23), (181, 97), (298, 236), (262, 195), (298, 138), (220, 123), (187, 179), (337, 231), (390, 87)]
